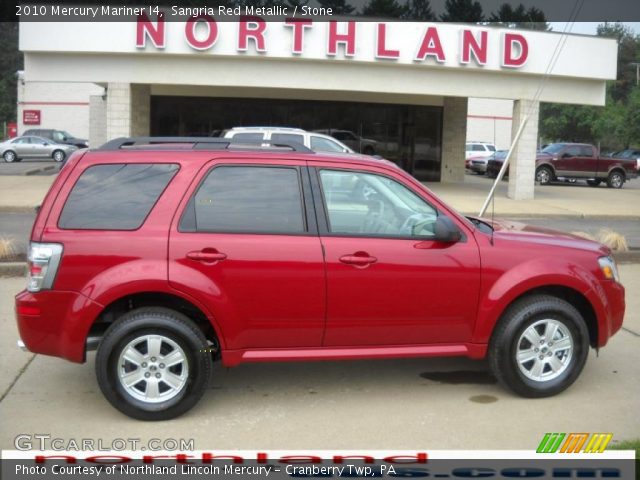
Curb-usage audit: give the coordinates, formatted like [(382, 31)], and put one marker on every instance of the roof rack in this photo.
[(202, 143)]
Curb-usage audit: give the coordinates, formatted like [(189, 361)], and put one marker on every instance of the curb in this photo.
[(13, 269), (632, 256), (17, 209), (33, 171)]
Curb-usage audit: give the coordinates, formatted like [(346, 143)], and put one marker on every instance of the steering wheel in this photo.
[(416, 222)]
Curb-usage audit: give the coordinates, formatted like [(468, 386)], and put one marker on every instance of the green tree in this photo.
[(11, 60), (520, 17), (384, 8), (628, 53), (419, 10), (338, 7), (462, 11)]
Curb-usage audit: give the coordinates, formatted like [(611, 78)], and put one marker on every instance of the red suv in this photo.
[(167, 254)]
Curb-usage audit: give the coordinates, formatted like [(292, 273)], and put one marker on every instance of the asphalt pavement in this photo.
[(29, 167)]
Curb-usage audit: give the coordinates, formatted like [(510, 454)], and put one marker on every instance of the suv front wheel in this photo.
[(539, 347), (150, 364)]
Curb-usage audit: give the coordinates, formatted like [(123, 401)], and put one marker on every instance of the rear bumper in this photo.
[(56, 323)]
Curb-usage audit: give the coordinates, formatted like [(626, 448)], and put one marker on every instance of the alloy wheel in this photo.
[(153, 368), (544, 350)]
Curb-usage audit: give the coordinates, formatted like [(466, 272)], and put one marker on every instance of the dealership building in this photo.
[(418, 90)]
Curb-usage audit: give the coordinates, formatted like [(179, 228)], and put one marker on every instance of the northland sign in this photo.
[(203, 33), (458, 47)]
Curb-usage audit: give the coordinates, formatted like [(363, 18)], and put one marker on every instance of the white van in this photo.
[(315, 141)]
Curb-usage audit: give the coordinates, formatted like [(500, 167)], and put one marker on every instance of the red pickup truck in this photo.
[(577, 161)]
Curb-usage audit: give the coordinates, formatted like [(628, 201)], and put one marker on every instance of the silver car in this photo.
[(16, 149)]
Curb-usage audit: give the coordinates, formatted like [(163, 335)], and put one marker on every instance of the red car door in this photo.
[(387, 282), (246, 247)]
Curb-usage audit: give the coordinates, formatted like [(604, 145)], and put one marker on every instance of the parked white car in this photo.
[(479, 150), (315, 141)]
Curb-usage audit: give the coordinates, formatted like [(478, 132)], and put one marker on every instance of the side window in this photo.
[(469, 147), (58, 136), (115, 196), (586, 152), (321, 144), (571, 152), (491, 148), (478, 148), (249, 137), (22, 141), (364, 204), (287, 137), (235, 199)]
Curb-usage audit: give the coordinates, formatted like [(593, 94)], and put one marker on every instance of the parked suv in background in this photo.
[(58, 136), (167, 254), (315, 141), (479, 149)]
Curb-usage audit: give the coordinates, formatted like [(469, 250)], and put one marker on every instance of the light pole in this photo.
[(637, 65)]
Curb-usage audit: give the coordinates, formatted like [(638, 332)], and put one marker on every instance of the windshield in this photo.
[(553, 148)]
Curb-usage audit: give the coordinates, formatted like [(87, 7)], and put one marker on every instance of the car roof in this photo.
[(262, 129)]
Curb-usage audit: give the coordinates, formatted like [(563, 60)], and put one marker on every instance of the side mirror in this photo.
[(566, 155), (446, 231)]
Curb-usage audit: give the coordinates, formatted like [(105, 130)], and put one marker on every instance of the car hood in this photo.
[(517, 231)]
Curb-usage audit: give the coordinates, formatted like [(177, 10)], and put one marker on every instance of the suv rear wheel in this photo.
[(150, 364), (539, 347)]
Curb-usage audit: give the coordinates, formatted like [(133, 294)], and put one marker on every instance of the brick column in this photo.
[(128, 110), (454, 137), (97, 120), (522, 166), (140, 110)]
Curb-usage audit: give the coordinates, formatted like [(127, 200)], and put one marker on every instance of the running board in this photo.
[(235, 357)]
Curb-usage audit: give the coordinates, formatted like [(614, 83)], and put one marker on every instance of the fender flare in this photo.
[(513, 284)]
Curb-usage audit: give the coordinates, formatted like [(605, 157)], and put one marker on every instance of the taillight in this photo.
[(44, 259)]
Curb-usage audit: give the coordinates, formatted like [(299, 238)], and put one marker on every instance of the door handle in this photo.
[(207, 255), (358, 259)]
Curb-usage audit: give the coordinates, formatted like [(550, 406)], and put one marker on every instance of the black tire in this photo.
[(544, 175), (508, 337), (58, 156), (174, 328), (615, 179), (10, 156), (594, 183)]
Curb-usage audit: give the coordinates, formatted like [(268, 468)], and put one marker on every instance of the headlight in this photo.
[(609, 268)]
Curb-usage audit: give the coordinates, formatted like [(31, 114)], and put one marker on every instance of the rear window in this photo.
[(115, 196)]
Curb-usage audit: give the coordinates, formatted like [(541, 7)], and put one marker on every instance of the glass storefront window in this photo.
[(409, 135)]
